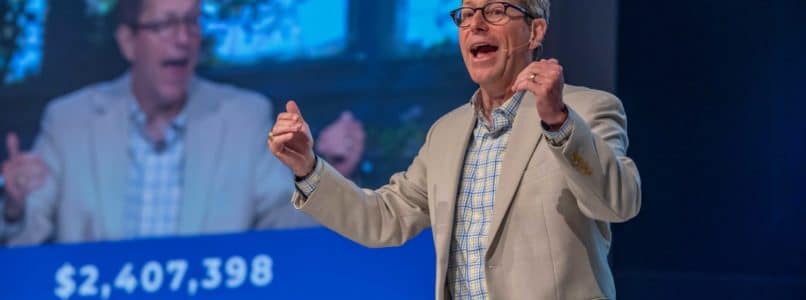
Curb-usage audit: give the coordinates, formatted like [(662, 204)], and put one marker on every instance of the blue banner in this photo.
[(295, 264)]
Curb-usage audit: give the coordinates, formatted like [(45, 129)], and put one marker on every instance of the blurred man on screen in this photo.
[(520, 184), (156, 152)]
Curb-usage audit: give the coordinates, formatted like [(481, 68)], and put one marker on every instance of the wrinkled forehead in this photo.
[(169, 8)]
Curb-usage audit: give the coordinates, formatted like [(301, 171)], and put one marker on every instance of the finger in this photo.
[(544, 76), (549, 81), (288, 117), (292, 107), (528, 71), (535, 68), (525, 84), (12, 144), (538, 86), (289, 157), (288, 140), (347, 115), (549, 68), (544, 67), (290, 122), (278, 145), (518, 84), (284, 128)]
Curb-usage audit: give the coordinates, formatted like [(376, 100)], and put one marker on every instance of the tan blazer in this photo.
[(550, 231), (231, 182)]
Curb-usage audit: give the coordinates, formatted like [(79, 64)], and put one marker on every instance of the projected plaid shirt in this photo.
[(155, 178)]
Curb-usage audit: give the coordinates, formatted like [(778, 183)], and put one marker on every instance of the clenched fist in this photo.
[(544, 79)]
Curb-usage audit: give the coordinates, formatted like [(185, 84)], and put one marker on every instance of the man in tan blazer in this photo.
[(519, 185)]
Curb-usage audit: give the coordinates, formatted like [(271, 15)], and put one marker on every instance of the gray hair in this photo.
[(538, 8), (541, 9)]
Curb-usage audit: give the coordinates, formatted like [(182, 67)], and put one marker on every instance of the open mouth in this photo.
[(176, 62), (482, 50)]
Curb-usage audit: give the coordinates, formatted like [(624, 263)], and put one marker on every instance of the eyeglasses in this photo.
[(169, 28), (494, 13)]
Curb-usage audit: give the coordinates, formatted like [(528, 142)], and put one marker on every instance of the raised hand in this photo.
[(291, 142), (544, 78), (22, 174)]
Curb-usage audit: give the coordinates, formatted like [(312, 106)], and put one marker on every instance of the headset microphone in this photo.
[(519, 47), (509, 51)]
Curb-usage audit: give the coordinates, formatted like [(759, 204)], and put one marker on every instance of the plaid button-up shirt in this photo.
[(155, 177), (474, 205)]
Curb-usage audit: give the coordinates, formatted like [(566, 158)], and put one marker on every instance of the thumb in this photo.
[(292, 107), (346, 115), (12, 145)]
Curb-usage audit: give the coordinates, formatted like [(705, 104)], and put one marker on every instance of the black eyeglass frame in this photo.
[(456, 14), (169, 27)]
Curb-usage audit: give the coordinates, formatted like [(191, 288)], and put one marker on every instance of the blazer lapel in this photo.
[(109, 138), (203, 142), (452, 155), (526, 133)]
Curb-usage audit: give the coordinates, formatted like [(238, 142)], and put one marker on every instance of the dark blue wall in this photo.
[(715, 95)]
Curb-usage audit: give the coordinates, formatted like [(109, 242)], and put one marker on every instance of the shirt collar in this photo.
[(502, 117), (172, 133)]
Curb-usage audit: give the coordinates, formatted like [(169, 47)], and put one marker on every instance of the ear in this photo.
[(539, 27), (125, 36)]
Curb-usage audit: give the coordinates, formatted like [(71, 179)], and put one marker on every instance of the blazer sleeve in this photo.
[(37, 223), (605, 182), (388, 216)]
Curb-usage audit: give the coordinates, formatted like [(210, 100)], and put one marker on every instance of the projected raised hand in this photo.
[(342, 143), (22, 174)]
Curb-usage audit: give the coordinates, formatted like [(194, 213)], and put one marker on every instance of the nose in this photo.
[(477, 22), (185, 34)]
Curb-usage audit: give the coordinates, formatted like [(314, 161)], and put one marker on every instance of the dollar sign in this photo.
[(64, 279)]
